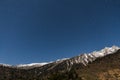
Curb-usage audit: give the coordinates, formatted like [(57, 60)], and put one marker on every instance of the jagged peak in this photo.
[(89, 57), (105, 51)]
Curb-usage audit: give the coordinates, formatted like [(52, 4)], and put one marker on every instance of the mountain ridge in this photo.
[(103, 66), (82, 58)]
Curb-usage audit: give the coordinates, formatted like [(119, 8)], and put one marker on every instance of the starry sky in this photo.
[(46, 30)]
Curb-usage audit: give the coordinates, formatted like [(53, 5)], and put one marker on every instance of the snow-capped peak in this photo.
[(89, 57), (83, 58), (105, 51)]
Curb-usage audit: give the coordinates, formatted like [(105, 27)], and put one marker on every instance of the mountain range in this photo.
[(97, 65)]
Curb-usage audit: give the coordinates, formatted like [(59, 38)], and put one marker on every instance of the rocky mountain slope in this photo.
[(98, 65)]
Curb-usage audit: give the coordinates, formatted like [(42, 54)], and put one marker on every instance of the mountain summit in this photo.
[(97, 65)]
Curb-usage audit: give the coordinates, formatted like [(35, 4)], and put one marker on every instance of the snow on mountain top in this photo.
[(32, 64), (5, 64), (61, 59), (83, 58), (89, 57), (105, 51)]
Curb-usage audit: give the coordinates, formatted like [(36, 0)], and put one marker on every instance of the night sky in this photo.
[(46, 30)]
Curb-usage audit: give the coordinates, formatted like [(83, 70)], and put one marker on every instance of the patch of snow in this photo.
[(32, 64), (61, 59), (5, 65)]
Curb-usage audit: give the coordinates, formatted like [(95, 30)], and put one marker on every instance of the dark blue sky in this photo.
[(46, 30)]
